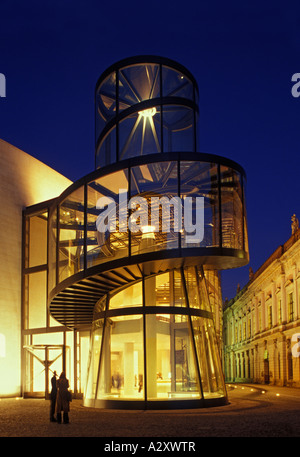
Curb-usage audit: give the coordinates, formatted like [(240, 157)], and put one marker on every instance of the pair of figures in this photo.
[(59, 398)]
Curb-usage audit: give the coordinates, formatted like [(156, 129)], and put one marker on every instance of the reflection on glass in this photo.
[(130, 296), (138, 83), (165, 290), (71, 234), (140, 134), (208, 358), (106, 151), (176, 84), (36, 240), (232, 208), (52, 250), (94, 359), (196, 289), (106, 98), (156, 183), (200, 179), (171, 366), (122, 364), (178, 129), (108, 244)]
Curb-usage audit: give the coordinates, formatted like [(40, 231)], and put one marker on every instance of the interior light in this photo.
[(148, 228), (148, 113)]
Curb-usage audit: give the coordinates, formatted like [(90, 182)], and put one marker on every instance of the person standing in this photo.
[(53, 395), (63, 399)]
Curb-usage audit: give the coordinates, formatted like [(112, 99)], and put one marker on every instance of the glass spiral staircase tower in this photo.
[(124, 262)]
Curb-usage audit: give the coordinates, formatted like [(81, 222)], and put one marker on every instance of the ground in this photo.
[(253, 411)]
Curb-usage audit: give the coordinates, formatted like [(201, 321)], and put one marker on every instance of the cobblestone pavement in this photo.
[(253, 411)]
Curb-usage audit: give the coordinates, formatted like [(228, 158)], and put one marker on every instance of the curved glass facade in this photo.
[(155, 341), (76, 244), (147, 107), (128, 243)]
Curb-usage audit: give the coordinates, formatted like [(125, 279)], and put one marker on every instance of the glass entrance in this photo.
[(41, 362)]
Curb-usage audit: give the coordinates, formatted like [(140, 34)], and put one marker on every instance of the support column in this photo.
[(283, 360), (151, 339), (283, 299), (296, 298), (274, 304), (128, 369), (263, 312)]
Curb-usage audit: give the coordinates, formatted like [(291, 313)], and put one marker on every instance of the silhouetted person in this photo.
[(53, 395), (63, 399)]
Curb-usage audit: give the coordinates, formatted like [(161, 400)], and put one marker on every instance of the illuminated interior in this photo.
[(159, 348)]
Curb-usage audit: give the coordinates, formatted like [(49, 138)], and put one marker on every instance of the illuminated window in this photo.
[(279, 312), (290, 307), (270, 316)]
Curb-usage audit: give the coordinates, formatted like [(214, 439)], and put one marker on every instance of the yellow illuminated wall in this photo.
[(24, 181)]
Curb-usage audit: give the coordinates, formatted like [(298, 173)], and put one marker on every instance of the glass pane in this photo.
[(232, 208), (140, 134), (196, 289), (178, 129), (208, 358), (164, 290), (37, 239), (176, 84), (71, 234), (156, 210), (36, 300), (52, 250), (199, 182), (94, 359), (131, 296), (138, 83), (122, 364), (107, 235), (171, 365), (106, 153), (106, 100)]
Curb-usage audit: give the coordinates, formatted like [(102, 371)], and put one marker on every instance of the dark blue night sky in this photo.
[(243, 55)]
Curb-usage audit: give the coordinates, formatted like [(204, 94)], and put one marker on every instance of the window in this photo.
[(259, 324), (290, 307), (249, 328), (279, 312), (270, 316)]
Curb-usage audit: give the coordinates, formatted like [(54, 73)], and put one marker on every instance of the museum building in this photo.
[(114, 280), (262, 322)]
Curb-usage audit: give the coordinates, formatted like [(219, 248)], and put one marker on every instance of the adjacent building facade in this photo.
[(262, 323)]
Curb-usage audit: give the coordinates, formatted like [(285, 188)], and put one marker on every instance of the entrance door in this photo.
[(40, 363)]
